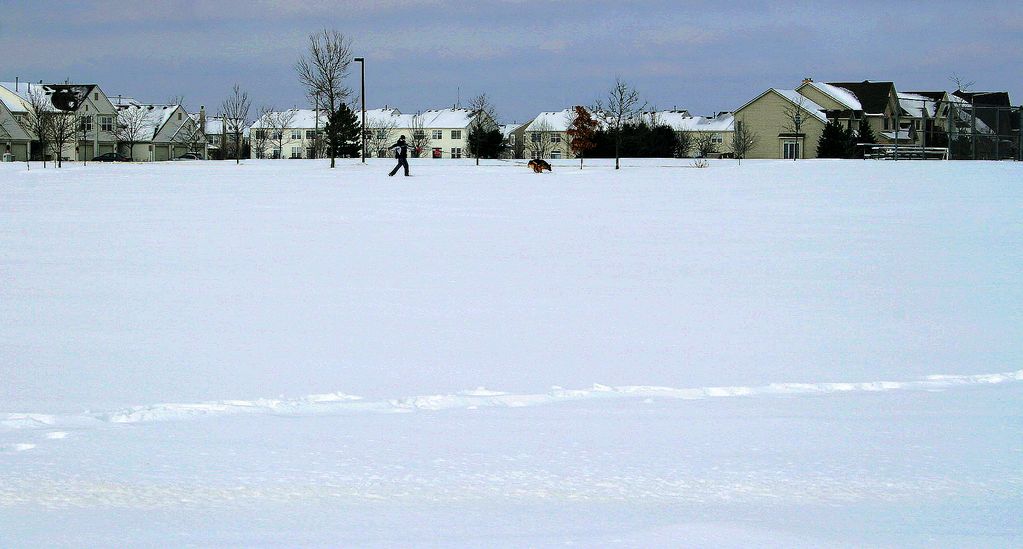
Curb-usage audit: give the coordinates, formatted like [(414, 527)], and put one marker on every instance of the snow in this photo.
[(799, 100), (843, 96), (917, 106), (552, 121), (275, 354), (683, 121)]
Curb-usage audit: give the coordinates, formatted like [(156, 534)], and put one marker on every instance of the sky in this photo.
[(528, 57)]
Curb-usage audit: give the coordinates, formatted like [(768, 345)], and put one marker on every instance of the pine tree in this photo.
[(866, 136), (342, 133), (485, 142), (581, 133), (833, 142)]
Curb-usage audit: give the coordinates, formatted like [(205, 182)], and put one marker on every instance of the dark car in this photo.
[(189, 156), (111, 157)]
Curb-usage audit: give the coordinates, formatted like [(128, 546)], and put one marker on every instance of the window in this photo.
[(535, 137), (179, 116), (790, 150), (456, 134), (456, 152), (716, 139), (95, 96), (438, 153), (437, 134), (276, 154), (106, 123), (310, 134), (555, 155), (555, 138), (419, 134), (381, 134), (276, 135), (260, 134), (296, 134), (86, 124), (296, 152)]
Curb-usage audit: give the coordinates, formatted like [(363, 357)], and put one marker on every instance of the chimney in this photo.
[(202, 118), (807, 80), (17, 81)]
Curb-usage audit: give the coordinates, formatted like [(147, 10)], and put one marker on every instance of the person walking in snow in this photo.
[(401, 153)]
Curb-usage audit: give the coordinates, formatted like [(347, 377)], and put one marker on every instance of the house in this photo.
[(96, 113), (446, 130), (513, 140), (883, 111), (157, 132), (786, 123), (293, 133), (546, 136), (14, 138), (996, 121)]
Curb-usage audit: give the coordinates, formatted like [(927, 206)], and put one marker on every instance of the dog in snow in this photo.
[(539, 165)]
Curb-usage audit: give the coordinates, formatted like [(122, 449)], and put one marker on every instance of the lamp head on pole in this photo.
[(359, 60)]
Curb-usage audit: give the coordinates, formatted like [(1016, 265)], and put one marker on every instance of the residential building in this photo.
[(787, 124), (97, 114), (157, 132), (14, 139), (546, 136), (716, 130), (294, 133)]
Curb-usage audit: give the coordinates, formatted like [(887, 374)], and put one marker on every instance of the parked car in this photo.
[(189, 156), (111, 157)]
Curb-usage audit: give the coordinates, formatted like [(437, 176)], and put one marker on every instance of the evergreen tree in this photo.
[(342, 133), (581, 133), (866, 136), (836, 142), (485, 141)]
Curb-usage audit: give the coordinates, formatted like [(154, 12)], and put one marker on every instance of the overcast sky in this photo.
[(527, 56)]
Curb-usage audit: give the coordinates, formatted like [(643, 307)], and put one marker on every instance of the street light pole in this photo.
[(362, 65)]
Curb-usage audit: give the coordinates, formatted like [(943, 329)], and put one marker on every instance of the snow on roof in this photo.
[(447, 118), (554, 121), (916, 105), (123, 100), (15, 95), (300, 119), (841, 95), (156, 116), (683, 121), (800, 100)]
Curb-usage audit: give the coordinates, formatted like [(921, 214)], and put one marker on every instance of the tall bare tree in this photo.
[(322, 71), (622, 107), (134, 126), (235, 111), (743, 140), (419, 140)]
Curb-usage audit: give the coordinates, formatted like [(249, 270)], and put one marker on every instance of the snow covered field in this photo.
[(779, 354)]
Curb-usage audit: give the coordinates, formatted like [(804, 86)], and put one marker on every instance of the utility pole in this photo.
[(362, 65)]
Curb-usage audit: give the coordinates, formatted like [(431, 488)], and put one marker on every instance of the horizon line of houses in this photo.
[(788, 123)]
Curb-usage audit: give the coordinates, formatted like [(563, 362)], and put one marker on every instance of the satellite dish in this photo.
[(65, 100)]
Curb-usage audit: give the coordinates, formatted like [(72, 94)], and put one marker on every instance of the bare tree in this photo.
[(191, 136), (705, 145), (420, 139), (795, 115), (538, 139), (63, 129), (622, 107), (37, 120), (134, 125), (379, 134), (961, 83), (259, 134), (178, 99), (323, 71), (235, 111), (484, 120), (278, 122), (743, 140)]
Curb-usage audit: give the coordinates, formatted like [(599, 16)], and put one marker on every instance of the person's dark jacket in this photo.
[(400, 149)]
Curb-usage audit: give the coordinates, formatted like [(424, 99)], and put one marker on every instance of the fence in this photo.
[(968, 129)]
